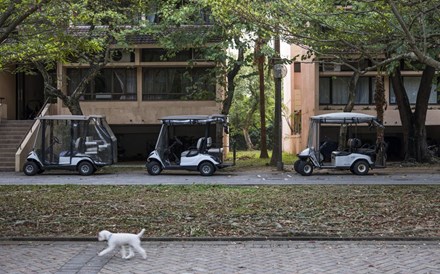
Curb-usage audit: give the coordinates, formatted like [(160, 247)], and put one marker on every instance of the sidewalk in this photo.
[(225, 257)]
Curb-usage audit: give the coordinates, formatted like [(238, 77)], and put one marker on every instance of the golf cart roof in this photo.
[(345, 118), (69, 117), (194, 119)]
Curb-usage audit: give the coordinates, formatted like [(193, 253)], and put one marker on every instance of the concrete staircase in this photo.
[(11, 134)]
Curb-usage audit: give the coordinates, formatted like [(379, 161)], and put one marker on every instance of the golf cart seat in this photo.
[(200, 147), (353, 144)]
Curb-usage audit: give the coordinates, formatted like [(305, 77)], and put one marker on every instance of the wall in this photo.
[(306, 83)]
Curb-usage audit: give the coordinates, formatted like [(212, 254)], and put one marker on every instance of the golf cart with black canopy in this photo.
[(352, 154), (72, 142), (185, 142)]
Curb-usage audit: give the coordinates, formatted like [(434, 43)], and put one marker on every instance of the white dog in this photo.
[(123, 240)]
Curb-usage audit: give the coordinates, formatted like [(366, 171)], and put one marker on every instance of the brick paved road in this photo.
[(224, 257)]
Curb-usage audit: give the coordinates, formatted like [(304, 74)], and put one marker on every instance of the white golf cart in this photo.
[(352, 154), (185, 142), (72, 142)]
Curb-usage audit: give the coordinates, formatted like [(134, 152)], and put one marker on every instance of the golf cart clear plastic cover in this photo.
[(313, 140), (60, 138), (345, 118), (194, 119), (162, 140)]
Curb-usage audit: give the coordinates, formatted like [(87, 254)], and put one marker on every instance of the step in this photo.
[(12, 142), (7, 165), (7, 152), (11, 134), (7, 146)]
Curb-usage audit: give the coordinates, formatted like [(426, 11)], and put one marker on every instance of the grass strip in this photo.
[(221, 211)]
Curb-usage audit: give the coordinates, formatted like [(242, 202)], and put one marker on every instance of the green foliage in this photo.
[(246, 95)]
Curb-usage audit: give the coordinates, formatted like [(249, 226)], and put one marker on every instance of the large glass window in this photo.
[(178, 84), (334, 90), (109, 84), (411, 84)]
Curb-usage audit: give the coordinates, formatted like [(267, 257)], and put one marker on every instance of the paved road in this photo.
[(224, 257), (256, 177)]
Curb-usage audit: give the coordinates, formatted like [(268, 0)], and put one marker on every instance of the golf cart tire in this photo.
[(295, 165), (305, 168), (206, 168), (85, 168), (154, 168), (31, 168), (361, 167)]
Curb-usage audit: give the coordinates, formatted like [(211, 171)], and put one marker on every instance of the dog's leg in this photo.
[(123, 252), (141, 251), (107, 250), (130, 252)]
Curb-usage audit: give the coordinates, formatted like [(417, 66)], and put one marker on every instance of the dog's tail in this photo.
[(141, 233)]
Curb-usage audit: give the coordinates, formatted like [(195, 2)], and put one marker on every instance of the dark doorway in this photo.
[(30, 95)]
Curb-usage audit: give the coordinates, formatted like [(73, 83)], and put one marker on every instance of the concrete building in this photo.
[(312, 89), (133, 91)]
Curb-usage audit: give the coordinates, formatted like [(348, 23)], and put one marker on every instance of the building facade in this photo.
[(312, 89)]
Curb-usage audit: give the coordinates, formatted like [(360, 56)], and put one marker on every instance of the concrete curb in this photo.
[(228, 239)]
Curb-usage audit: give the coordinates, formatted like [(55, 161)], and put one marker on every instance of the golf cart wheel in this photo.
[(206, 169), (31, 168), (85, 168), (296, 165), (352, 170), (361, 167), (154, 168), (305, 168)]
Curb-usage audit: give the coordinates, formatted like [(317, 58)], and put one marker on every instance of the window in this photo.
[(110, 84), (334, 90), (296, 67), (411, 84), (178, 84)]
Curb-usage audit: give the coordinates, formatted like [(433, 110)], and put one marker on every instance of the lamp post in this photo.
[(279, 71)]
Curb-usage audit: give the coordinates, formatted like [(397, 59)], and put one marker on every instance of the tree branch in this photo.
[(9, 29), (423, 58)]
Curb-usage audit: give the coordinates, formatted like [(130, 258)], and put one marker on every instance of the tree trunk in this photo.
[(381, 105), (247, 124), (260, 66), (348, 108), (413, 124), (422, 153), (247, 139), (405, 114), (227, 102), (352, 92)]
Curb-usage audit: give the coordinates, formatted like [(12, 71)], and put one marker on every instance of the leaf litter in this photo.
[(221, 211)]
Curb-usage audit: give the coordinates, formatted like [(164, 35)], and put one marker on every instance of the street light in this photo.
[(279, 71)]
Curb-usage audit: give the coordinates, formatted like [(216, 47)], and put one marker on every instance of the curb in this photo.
[(228, 239)]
